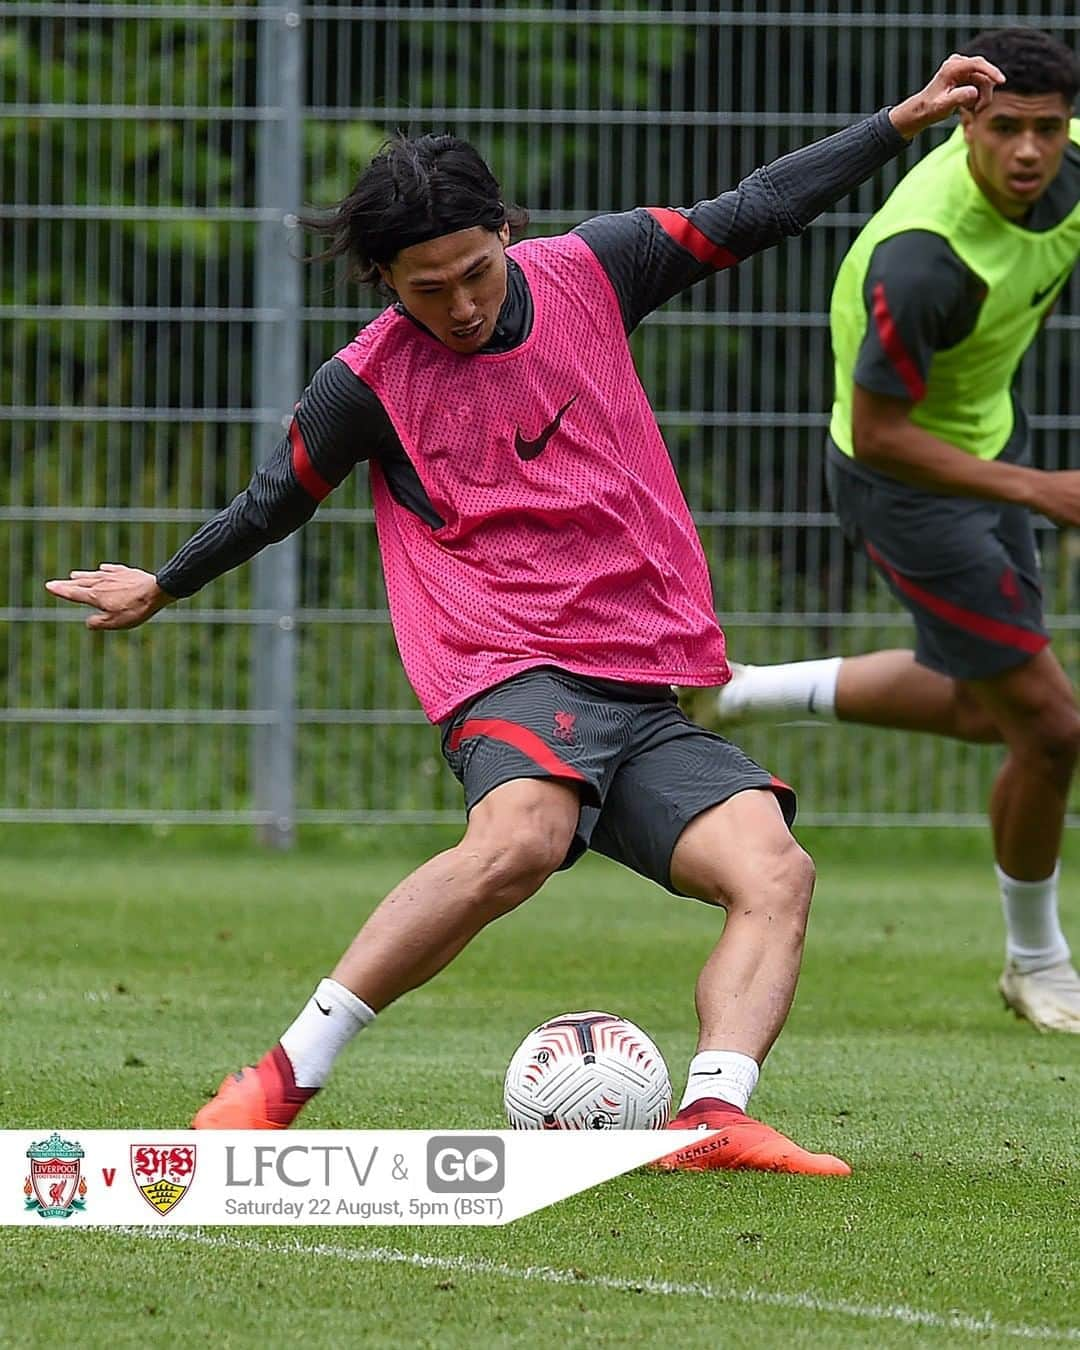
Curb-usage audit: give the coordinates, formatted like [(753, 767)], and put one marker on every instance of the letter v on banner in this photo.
[(109, 1174)]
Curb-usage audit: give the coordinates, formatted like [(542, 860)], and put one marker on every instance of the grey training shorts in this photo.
[(644, 769), (966, 570)]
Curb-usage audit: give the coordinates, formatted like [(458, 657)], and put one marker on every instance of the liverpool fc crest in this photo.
[(55, 1186), (163, 1173)]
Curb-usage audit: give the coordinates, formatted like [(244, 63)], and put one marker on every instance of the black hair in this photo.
[(1032, 61), (413, 190)]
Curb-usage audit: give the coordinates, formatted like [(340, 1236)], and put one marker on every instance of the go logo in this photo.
[(459, 1163)]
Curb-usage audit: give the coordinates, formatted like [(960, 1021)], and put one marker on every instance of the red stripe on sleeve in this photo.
[(980, 625), (689, 237), (894, 347), (309, 478), (521, 738)]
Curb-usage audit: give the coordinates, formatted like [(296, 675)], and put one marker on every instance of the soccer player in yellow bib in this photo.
[(935, 304)]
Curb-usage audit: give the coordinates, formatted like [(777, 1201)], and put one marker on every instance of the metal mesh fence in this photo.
[(159, 325)]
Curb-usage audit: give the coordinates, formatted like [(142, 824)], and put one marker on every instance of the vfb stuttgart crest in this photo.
[(163, 1173), (55, 1186)]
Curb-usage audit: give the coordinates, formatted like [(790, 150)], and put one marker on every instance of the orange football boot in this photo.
[(261, 1098), (741, 1142)]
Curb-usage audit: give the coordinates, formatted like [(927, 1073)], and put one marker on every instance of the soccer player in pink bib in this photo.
[(547, 588)]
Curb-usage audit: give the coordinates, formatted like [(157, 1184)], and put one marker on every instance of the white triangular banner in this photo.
[(318, 1178)]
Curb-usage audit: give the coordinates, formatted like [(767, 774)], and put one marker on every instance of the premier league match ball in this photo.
[(587, 1071)]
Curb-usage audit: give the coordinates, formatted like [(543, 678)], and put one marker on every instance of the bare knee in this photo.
[(970, 720), (775, 889), (523, 863), (741, 855), (512, 856), (787, 884), (508, 871), (1052, 743)]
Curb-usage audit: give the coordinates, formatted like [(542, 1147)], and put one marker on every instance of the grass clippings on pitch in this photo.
[(134, 975)]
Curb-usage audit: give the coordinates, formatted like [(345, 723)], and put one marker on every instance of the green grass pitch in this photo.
[(135, 972)]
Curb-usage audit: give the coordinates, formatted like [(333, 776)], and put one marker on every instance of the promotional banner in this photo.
[(89, 1178)]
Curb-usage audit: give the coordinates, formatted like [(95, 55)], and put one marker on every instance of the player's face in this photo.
[(454, 285), (1015, 147)]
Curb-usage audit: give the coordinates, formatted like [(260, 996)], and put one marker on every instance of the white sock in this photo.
[(798, 687), (721, 1073), (327, 1023), (1033, 936)]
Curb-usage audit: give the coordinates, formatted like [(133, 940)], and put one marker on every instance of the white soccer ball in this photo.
[(587, 1071)]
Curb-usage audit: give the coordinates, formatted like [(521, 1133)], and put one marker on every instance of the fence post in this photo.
[(278, 383)]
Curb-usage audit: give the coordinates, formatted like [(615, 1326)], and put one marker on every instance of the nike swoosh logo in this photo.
[(325, 1011), (1040, 296), (530, 449)]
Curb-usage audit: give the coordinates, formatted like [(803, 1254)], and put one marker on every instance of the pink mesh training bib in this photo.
[(567, 540)]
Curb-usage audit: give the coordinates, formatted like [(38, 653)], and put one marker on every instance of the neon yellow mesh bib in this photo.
[(967, 399)]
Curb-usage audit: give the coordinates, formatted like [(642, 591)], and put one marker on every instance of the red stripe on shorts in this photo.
[(1008, 634), (691, 238), (894, 345), (309, 478), (521, 738)]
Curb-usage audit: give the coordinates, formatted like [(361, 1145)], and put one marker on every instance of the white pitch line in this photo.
[(464, 1265)]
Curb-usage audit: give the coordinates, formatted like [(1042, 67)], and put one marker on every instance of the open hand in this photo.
[(961, 82), (123, 596)]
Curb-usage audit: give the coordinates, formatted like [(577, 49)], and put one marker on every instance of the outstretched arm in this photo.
[(651, 254), (336, 414)]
